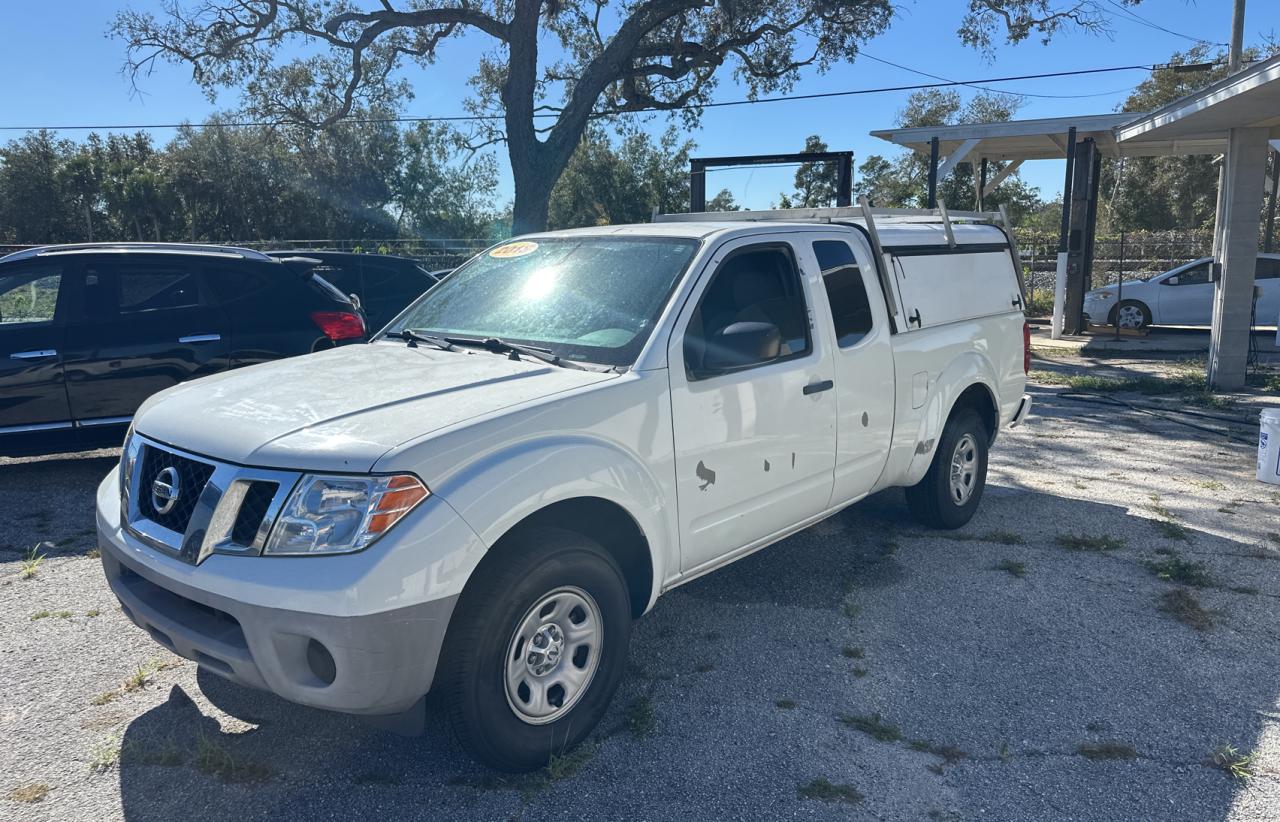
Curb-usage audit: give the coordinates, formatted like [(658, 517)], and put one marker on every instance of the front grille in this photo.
[(252, 510), (193, 475)]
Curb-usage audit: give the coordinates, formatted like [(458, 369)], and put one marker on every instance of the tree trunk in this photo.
[(137, 227), (533, 184), (88, 221)]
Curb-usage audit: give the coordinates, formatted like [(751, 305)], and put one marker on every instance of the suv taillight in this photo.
[(1026, 348), (339, 325)]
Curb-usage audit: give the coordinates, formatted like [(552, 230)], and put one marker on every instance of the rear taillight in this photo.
[(339, 325), (1026, 348)]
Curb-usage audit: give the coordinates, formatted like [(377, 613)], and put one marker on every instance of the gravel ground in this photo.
[(939, 676)]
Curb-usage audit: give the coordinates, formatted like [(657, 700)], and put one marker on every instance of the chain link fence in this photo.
[(1133, 254)]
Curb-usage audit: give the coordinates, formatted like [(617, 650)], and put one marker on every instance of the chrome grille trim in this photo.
[(210, 527)]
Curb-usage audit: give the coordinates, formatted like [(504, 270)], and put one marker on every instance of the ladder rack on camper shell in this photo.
[(865, 215)]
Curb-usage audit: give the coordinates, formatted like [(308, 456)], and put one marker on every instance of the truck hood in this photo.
[(342, 409)]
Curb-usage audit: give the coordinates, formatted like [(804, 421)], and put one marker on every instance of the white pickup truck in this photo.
[(481, 501)]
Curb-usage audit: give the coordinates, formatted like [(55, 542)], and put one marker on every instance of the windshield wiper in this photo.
[(499, 346), (413, 338)]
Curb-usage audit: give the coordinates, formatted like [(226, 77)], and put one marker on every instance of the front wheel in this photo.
[(949, 494), (536, 649), (1130, 314)]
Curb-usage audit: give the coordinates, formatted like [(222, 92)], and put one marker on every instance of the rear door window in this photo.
[(850, 308), (157, 288), (30, 296)]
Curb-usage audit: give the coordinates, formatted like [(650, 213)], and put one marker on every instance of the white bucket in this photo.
[(1269, 446)]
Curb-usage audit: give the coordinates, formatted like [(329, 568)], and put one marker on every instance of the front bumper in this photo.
[(362, 663)]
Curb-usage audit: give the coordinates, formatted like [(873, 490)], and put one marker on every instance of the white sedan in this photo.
[(1183, 296)]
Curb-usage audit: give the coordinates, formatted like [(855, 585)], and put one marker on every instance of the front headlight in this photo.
[(338, 515), (128, 458)]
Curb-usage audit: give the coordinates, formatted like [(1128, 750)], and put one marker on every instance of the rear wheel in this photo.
[(536, 649), (1131, 314), (949, 494)]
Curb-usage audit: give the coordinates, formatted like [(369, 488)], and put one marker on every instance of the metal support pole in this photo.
[(982, 182), (697, 186), (1066, 190), (1237, 38), (1267, 239), (1120, 285), (933, 174), (844, 181)]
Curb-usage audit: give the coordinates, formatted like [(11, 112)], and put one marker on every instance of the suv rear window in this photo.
[(232, 282)]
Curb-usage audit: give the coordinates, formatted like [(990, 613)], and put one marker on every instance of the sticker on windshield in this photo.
[(514, 250)]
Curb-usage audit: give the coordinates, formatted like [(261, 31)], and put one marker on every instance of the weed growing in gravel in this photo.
[(105, 755), (142, 677), (1082, 542), (93, 553), (785, 704), (31, 563), (825, 791), (1003, 537), (29, 794), (851, 609), (1272, 535), (1172, 530), (873, 726), (95, 612), (852, 653), (104, 697), (567, 764), (41, 615), (1183, 606), (1209, 485), (639, 717), (214, 759), (1174, 568), (704, 668), (859, 672), (1106, 750), (949, 754), (1013, 567), (1239, 765)]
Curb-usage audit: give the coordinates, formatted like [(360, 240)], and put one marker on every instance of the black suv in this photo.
[(87, 332), (384, 284)]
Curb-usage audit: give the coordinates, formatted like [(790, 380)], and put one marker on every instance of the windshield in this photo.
[(593, 298)]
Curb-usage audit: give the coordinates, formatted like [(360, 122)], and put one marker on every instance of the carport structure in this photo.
[(1237, 117)]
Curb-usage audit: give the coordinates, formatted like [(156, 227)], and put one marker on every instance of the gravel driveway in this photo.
[(1079, 651)]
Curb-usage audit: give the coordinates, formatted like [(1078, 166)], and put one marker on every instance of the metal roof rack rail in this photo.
[(835, 215)]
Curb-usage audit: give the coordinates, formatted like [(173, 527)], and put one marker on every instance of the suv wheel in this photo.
[(949, 494), (536, 649)]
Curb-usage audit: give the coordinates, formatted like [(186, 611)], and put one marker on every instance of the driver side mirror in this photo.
[(741, 345), (1171, 281)]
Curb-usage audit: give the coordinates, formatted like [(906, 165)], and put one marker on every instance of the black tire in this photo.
[(931, 500), (529, 566), (1141, 306)]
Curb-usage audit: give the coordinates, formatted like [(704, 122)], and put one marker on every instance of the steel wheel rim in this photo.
[(964, 469), (1130, 316), (553, 655)]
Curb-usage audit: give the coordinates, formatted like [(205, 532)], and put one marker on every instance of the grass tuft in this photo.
[(852, 653), (41, 615), (29, 794), (873, 726), (785, 704), (1083, 542), (1173, 568), (1106, 750), (1241, 766), (1172, 530), (824, 791), (105, 755), (31, 563), (1001, 537), (213, 758), (1012, 567), (704, 668), (1183, 606)]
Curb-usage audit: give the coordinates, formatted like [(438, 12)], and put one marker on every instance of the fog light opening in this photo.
[(321, 662)]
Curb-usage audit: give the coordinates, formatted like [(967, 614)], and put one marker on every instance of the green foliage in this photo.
[(623, 182), (825, 791), (815, 182)]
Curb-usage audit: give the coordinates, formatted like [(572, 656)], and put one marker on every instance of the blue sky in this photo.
[(61, 69)]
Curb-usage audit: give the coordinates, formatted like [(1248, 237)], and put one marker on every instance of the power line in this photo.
[(597, 115), (996, 90), (1151, 24)]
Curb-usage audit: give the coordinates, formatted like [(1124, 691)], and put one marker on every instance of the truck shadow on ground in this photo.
[(992, 670)]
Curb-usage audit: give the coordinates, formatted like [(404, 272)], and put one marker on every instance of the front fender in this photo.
[(965, 370), (497, 491)]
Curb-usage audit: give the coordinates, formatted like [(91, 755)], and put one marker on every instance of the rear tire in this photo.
[(949, 494), (536, 648)]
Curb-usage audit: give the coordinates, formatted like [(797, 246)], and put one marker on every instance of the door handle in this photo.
[(199, 338), (33, 355), (818, 387)]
